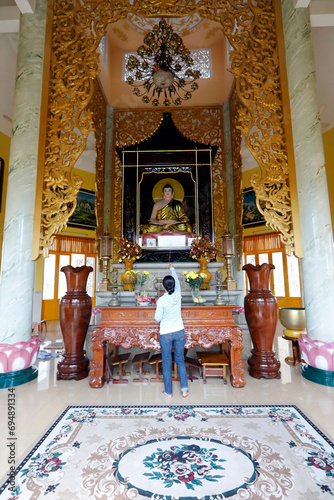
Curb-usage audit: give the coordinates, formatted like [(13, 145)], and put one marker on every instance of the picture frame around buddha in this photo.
[(192, 183)]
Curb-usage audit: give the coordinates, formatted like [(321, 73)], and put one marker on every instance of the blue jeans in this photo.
[(167, 341)]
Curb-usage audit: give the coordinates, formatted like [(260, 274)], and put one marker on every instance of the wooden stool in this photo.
[(193, 363), (156, 359), (295, 351), (141, 359), (213, 364), (109, 350), (40, 325), (120, 360), (109, 369)]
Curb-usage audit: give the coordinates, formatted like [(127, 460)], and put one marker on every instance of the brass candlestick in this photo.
[(228, 252), (219, 290), (114, 290), (105, 255)]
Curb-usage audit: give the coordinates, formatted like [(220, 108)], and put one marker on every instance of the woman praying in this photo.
[(168, 313)]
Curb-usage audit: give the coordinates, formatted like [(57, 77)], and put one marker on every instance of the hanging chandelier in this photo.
[(162, 68)]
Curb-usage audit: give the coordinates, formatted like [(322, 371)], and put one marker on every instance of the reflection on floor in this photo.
[(41, 400)]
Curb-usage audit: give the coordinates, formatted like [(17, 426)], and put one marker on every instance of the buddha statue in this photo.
[(168, 215)]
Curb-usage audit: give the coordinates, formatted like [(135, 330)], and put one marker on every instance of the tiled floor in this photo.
[(41, 400)]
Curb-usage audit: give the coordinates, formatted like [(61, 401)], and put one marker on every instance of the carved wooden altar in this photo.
[(127, 327)]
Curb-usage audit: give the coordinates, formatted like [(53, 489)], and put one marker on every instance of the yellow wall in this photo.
[(4, 154), (328, 139), (88, 183)]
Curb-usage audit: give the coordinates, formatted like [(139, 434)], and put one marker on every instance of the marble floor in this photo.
[(38, 402)]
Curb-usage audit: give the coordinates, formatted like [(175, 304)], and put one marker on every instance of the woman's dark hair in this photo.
[(169, 284), (168, 186)]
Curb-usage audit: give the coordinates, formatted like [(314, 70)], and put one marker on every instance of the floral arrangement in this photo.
[(96, 311), (137, 277), (239, 310), (143, 297), (203, 247), (128, 250), (193, 279)]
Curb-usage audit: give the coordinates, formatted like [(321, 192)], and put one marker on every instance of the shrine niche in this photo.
[(167, 158)]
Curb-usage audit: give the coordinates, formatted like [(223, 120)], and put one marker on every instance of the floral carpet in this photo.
[(177, 453)]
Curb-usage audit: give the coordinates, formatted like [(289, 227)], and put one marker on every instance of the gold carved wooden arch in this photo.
[(77, 28)]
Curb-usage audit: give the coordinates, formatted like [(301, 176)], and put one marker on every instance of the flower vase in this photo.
[(128, 285), (143, 304), (74, 315), (204, 270), (261, 316), (195, 293), (141, 295)]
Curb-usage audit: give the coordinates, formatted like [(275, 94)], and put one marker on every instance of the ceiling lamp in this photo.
[(163, 67)]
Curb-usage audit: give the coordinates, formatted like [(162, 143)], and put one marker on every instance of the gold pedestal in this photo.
[(293, 333), (103, 287), (230, 285)]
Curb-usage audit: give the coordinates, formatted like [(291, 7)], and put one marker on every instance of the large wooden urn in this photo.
[(74, 314), (261, 316)]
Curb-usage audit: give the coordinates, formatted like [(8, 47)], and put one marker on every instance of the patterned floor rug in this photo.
[(177, 453)]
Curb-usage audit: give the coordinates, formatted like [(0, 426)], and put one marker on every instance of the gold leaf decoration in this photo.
[(76, 33)]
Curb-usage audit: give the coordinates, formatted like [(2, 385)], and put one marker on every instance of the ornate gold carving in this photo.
[(98, 109), (77, 30), (237, 173), (255, 65)]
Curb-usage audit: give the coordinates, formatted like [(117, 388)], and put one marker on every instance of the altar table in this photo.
[(204, 326)]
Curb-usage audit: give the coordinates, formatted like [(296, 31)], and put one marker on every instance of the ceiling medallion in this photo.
[(162, 68), (182, 25)]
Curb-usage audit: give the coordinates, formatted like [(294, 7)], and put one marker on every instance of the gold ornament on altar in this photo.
[(203, 248), (128, 250)]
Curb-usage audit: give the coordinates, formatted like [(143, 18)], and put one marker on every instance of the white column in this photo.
[(18, 270), (315, 218)]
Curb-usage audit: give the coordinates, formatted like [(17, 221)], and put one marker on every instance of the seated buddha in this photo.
[(168, 215)]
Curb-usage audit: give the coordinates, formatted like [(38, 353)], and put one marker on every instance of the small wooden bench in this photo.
[(109, 351), (213, 364), (140, 359), (193, 363), (156, 359), (120, 360)]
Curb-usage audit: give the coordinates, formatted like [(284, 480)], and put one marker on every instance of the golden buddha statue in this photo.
[(168, 215)]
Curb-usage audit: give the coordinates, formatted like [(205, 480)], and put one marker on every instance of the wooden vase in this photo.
[(261, 316), (204, 269), (74, 314), (128, 285)]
